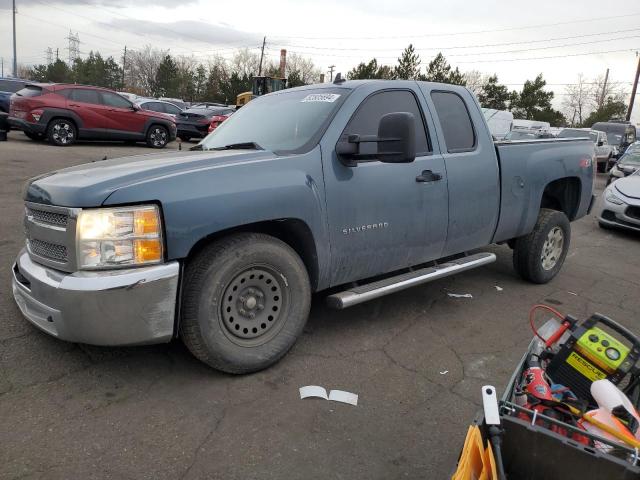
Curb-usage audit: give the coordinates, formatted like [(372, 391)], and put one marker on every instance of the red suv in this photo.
[(66, 113)]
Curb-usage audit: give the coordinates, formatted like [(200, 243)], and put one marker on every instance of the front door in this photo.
[(383, 216), (87, 104), (122, 120)]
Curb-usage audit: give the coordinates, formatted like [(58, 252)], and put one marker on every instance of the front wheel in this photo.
[(246, 300), (157, 136), (539, 256), (62, 132)]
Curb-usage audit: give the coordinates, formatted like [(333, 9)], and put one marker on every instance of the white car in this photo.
[(604, 152), (621, 204)]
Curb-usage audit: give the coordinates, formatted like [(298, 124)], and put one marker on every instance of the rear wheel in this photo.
[(539, 256), (246, 300), (157, 136), (62, 132)]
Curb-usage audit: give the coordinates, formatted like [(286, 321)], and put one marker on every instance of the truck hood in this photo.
[(629, 186), (90, 184)]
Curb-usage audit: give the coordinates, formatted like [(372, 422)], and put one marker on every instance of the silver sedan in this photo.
[(621, 204)]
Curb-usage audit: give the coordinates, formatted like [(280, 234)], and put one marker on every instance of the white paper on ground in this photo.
[(343, 397), (499, 288), (444, 372), (313, 391), (460, 295)]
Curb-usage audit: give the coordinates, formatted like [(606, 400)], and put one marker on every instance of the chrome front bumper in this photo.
[(116, 307)]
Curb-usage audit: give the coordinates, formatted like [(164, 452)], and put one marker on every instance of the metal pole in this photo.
[(15, 58), (604, 89), (633, 90), (264, 40), (331, 67), (124, 64)]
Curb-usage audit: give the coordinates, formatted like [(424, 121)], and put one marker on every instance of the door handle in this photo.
[(428, 176)]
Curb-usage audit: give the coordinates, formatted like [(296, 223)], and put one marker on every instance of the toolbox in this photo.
[(534, 452)]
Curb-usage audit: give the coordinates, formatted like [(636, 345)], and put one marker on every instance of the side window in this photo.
[(455, 121), (365, 120), (153, 106), (171, 109), (85, 96), (113, 100)]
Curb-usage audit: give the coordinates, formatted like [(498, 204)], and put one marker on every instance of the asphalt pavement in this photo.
[(417, 360)]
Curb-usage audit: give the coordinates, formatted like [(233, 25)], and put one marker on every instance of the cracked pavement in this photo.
[(77, 411)]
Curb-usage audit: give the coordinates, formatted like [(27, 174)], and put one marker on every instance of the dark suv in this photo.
[(65, 113)]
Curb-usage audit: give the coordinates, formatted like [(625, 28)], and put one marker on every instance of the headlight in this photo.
[(610, 197), (617, 173), (115, 237)]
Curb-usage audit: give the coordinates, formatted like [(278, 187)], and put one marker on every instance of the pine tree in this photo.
[(439, 70), (408, 67), (493, 95)]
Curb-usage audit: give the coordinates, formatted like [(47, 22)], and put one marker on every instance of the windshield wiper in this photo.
[(240, 146)]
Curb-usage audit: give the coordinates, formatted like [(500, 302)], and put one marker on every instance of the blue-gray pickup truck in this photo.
[(357, 188)]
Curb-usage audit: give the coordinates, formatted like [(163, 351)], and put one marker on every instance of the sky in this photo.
[(516, 41)]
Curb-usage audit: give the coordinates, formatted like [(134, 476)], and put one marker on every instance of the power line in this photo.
[(507, 29), (445, 48)]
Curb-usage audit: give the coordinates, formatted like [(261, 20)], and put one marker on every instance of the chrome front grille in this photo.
[(50, 218), (48, 250), (50, 233)]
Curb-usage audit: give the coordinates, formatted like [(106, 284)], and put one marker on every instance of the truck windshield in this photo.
[(284, 122)]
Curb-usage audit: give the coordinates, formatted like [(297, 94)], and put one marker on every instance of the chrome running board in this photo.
[(363, 293)]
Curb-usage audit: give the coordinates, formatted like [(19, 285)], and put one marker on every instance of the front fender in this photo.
[(197, 204)]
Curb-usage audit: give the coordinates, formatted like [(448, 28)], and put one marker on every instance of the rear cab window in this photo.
[(455, 121), (367, 117), (30, 91)]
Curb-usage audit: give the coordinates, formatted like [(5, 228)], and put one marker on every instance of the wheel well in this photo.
[(159, 124), (62, 117), (563, 195), (291, 231)]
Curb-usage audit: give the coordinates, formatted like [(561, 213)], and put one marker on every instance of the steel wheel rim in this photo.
[(252, 306), (158, 137), (62, 132), (552, 248)]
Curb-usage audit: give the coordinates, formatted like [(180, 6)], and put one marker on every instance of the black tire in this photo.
[(243, 275), (33, 136), (605, 226), (62, 132), (157, 136), (537, 257), (608, 181)]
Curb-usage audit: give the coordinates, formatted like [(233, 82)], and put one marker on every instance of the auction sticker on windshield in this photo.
[(321, 97)]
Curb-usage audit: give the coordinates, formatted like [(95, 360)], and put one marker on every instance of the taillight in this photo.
[(36, 114)]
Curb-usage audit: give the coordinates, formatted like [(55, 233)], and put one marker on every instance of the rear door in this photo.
[(381, 217), (472, 167), (122, 120), (87, 104)]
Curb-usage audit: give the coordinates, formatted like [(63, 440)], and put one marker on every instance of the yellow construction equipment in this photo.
[(261, 86)]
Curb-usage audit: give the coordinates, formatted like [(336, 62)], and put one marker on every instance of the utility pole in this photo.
[(2, 62), (331, 68), (15, 58), (604, 89), (634, 89), (57, 57), (124, 64), (264, 40)]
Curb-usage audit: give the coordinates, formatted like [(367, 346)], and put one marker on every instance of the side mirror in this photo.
[(600, 143), (135, 107), (396, 141)]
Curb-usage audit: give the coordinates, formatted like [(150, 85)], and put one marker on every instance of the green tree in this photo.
[(200, 81), (57, 71), (370, 70), (408, 67), (493, 95), (166, 81), (610, 109), (554, 117), (531, 100), (95, 70), (439, 70), (295, 79)]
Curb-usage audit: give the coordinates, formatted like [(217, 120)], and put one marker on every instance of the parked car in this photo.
[(627, 165), (621, 204), (216, 120), (525, 134), (208, 104), (347, 186), (619, 134), (604, 152), (9, 86), (159, 106), (66, 113), (176, 101), (195, 122)]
